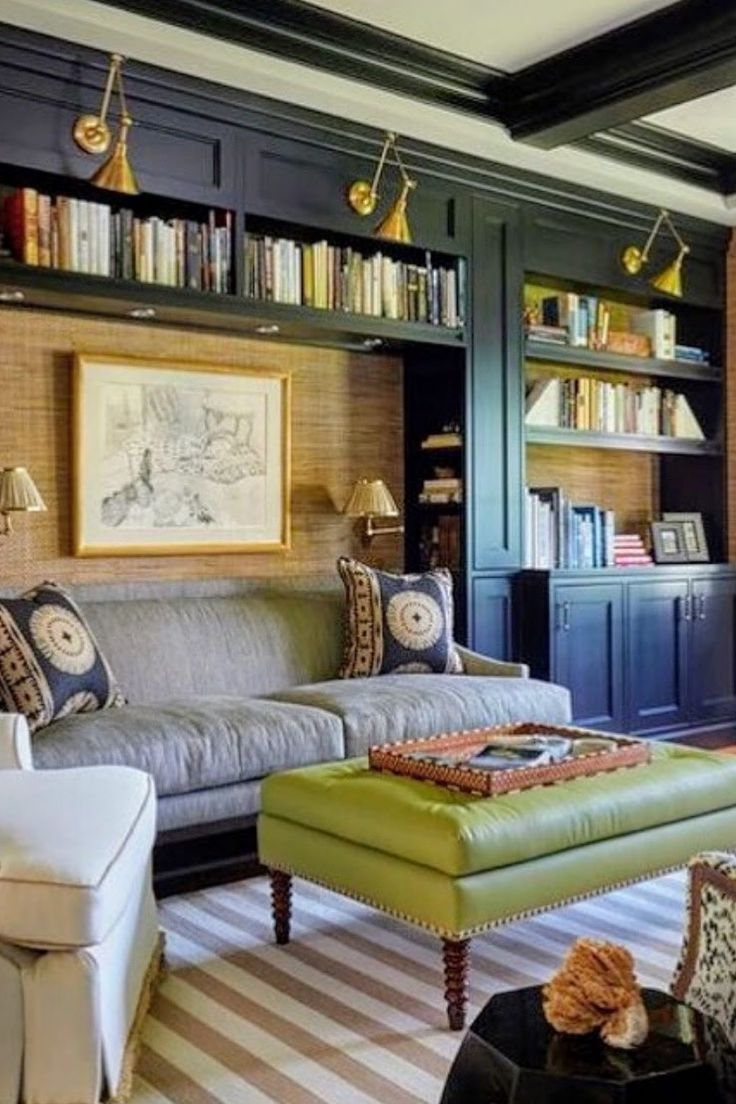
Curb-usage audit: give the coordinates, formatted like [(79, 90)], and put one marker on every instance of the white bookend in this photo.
[(543, 403), (686, 424)]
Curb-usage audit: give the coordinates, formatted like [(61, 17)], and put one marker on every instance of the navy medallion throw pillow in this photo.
[(397, 624), (50, 663)]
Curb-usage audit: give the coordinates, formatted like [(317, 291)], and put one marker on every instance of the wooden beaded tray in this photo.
[(405, 758)]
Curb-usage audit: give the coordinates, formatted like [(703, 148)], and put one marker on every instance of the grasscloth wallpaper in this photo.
[(346, 423)]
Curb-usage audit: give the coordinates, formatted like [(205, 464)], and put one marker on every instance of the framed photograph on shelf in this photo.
[(176, 458), (695, 543), (668, 542)]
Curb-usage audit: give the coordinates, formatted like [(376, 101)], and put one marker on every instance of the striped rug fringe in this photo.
[(351, 1011)]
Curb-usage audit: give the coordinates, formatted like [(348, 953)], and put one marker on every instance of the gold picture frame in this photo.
[(177, 457)]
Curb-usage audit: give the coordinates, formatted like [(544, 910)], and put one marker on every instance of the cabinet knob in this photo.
[(685, 608), (701, 607), (566, 616)]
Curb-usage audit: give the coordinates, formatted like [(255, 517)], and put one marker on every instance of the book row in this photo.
[(586, 321), (439, 544), (560, 534), (317, 274), (79, 235), (590, 404)]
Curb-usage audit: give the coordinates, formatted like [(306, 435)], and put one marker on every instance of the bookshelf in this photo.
[(588, 441), (190, 262)]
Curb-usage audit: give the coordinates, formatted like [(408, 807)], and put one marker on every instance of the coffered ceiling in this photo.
[(633, 96), (496, 33)]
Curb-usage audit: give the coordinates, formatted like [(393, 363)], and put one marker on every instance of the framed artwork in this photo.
[(668, 540), (695, 543), (173, 457)]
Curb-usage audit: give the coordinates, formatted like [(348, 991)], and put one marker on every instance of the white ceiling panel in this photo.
[(497, 33), (710, 119)]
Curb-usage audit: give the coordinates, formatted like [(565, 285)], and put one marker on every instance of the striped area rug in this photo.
[(351, 1012)]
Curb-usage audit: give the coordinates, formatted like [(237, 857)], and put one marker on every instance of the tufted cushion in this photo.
[(397, 623), (72, 844), (50, 664)]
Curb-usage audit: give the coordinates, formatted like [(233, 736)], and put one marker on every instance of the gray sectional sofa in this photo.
[(228, 681)]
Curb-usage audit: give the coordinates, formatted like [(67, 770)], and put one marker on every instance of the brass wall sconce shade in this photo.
[(92, 134), (634, 258), (18, 494), (363, 196), (369, 499)]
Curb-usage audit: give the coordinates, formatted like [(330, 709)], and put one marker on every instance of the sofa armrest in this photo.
[(476, 664), (15, 743)]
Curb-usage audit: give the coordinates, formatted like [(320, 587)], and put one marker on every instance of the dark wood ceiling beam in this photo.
[(300, 32), (662, 151), (679, 53)]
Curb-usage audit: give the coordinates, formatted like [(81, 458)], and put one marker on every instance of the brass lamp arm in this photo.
[(663, 217), (390, 140), (113, 77), (372, 530)]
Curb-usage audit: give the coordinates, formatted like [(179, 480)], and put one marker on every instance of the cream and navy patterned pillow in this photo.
[(50, 663), (397, 624)]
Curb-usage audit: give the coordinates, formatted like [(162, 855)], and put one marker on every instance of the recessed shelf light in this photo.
[(372, 342), (142, 312), (12, 295), (269, 328)]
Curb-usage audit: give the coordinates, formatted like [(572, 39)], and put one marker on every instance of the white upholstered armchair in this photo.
[(79, 940)]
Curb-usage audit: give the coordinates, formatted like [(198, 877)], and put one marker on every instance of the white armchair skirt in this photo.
[(80, 948)]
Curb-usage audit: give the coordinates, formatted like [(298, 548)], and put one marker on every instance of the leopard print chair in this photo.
[(705, 976)]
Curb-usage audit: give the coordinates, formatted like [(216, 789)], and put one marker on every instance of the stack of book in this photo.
[(78, 235), (692, 353), (592, 404), (317, 274), (629, 551), (442, 490), (562, 535), (549, 335), (449, 438)]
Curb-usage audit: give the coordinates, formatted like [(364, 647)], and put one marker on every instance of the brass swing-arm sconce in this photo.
[(92, 134), (363, 196), (371, 499), (634, 258)]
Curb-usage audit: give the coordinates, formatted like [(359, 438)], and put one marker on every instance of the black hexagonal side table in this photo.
[(510, 1055)]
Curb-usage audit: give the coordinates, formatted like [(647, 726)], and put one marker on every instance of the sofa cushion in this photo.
[(397, 623), (72, 844), (402, 707), (50, 664), (197, 743)]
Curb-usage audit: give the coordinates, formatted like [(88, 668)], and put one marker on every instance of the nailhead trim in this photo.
[(467, 933)]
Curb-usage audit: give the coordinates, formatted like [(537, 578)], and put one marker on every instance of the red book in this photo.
[(20, 220)]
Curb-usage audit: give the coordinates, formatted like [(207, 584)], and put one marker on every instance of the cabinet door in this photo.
[(657, 654), (495, 396), (713, 662), (588, 651), (491, 619)]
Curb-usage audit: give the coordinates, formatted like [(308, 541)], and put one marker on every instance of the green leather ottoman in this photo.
[(458, 864)]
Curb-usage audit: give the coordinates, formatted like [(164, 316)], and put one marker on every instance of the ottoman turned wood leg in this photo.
[(281, 904), (455, 957)]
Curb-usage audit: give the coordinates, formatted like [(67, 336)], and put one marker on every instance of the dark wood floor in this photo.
[(712, 739)]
